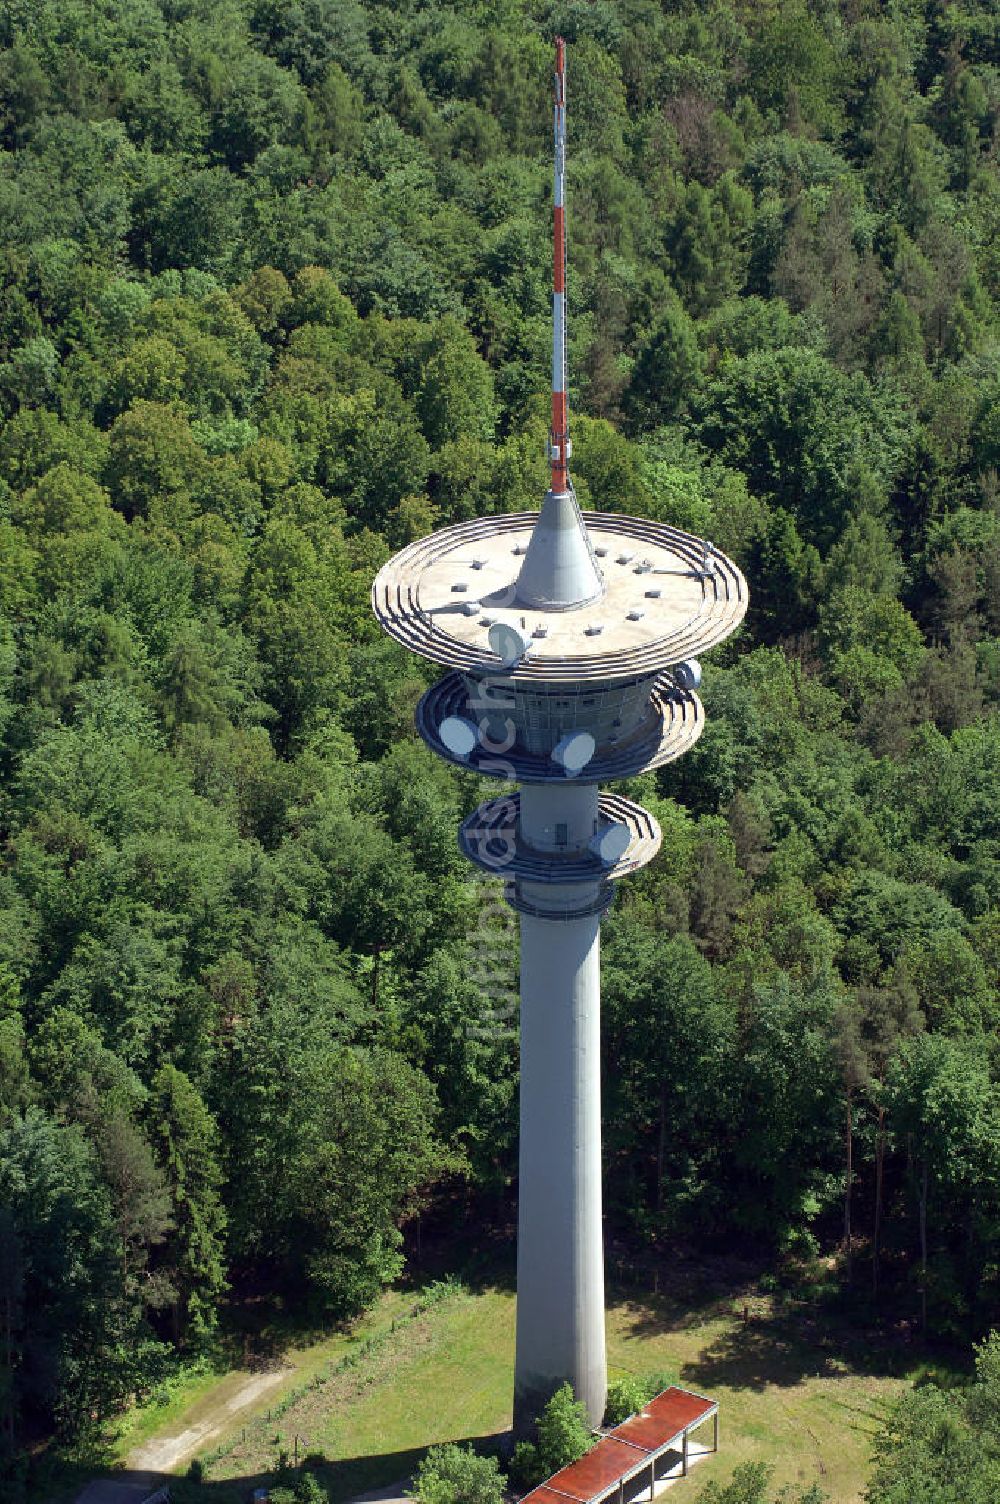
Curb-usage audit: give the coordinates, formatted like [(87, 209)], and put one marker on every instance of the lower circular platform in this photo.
[(560, 909), (491, 838), (674, 723)]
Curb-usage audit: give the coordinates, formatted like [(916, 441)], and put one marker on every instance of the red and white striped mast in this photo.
[(559, 444), (560, 569)]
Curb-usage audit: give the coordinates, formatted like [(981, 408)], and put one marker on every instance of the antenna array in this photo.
[(559, 443)]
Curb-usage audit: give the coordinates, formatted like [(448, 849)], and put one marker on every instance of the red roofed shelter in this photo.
[(631, 1451)]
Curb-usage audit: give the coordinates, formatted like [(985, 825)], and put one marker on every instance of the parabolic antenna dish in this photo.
[(688, 673), (459, 736), (611, 843), (574, 752), (508, 643)]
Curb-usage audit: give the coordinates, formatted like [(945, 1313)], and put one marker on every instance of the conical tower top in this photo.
[(560, 569)]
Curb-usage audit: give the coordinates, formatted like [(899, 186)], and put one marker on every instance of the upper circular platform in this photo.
[(667, 596)]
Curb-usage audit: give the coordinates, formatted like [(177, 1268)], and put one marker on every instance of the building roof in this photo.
[(598, 1470), (664, 1419), (625, 1450)]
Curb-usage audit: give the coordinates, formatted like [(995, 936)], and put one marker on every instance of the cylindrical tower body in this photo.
[(560, 1251), (561, 681)]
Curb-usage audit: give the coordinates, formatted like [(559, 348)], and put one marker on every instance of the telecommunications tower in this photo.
[(572, 640)]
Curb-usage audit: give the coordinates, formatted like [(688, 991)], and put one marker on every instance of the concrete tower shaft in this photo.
[(560, 1249), (567, 638)]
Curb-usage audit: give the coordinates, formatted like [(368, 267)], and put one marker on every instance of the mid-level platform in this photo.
[(673, 723)]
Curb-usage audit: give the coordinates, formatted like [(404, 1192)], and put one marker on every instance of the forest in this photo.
[(274, 300)]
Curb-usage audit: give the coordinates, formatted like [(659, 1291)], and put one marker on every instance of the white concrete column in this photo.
[(559, 817), (560, 1255)]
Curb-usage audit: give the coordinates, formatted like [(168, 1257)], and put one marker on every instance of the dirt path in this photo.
[(167, 1454), (149, 1463)]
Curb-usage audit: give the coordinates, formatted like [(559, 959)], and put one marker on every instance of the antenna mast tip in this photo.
[(559, 443)]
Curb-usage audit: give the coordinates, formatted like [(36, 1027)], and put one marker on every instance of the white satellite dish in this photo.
[(458, 735), (688, 674), (574, 752), (508, 643), (611, 843)]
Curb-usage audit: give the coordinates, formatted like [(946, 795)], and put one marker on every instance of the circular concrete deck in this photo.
[(667, 596)]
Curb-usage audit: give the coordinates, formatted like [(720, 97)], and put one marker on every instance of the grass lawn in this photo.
[(196, 1396), (792, 1391), (196, 1399)]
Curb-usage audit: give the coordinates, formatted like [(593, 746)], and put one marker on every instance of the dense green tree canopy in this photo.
[(274, 301)]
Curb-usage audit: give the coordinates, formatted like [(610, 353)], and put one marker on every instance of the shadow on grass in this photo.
[(54, 1477), (672, 1294), (789, 1348), (351, 1477), (760, 1344), (647, 1315), (766, 1352), (383, 1475)]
